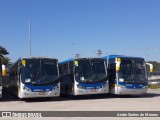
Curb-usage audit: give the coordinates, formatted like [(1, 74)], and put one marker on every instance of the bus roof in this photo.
[(120, 56), (68, 60), (71, 59), (37, 58), (32, 58)]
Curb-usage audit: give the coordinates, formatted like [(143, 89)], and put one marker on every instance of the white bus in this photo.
[(83, 76), (35, 77), (127, 75)]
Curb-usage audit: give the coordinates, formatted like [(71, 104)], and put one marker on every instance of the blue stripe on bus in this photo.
[(41, 88), (133, 86), (120, 56), (92, 86), (69, 60)]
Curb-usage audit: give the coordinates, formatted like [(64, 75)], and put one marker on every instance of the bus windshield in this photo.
[(139, 71), (40, 71), (132, 70), (90, 71), (126, 70)]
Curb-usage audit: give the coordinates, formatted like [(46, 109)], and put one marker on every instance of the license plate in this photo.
[(41, 93), (93, 90), (134, 91)]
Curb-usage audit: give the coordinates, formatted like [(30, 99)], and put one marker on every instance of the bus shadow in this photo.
[(150, 95), (44, 99), (147, 95), (67, 98), (7, 96)]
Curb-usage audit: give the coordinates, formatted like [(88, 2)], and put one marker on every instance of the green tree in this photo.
[(156, 66), (3, 52), (5, 60)]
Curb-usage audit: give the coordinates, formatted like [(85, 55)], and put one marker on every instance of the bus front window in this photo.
[(90, 71), (49, 71), (40, 71), (83, 71), (98, 70), (132, 71), (139, 71), (125, 72)]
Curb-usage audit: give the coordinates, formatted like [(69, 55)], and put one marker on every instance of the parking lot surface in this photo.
[(105, 102)]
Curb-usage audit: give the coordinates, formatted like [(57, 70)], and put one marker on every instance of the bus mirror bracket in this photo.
[(4, 71), (118, 61), (150, 67)]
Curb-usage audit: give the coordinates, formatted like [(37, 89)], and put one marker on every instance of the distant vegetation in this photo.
[(4, 52), (156, 71), (156, 67), (155, 86)]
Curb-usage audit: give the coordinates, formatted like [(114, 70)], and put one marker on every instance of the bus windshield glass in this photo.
[(139, 71), (132, 70), (90, 71), (40, 71), (125, 72)]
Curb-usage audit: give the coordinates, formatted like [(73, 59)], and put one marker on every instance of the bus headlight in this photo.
[(56, 88), (79, 86), (27, 89), (121, 86), (144, 87)]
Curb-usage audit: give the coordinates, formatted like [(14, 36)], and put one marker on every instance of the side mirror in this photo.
[(150, 67), (4, 71), (118, 61), (76, 63), (117, 67)]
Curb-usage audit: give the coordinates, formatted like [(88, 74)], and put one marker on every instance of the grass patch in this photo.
[(155, 86)]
